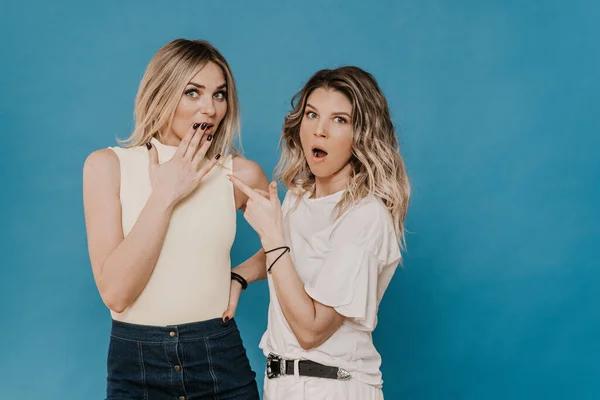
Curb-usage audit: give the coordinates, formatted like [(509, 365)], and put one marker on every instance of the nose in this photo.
[(321, 130), (207, 106)]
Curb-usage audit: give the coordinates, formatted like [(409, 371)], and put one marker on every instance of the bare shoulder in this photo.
[(250, 172), (101, 168), (101, 159), (101, 205)]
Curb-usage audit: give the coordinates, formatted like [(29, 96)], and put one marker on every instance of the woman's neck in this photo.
[(325, 186), (168, 139)]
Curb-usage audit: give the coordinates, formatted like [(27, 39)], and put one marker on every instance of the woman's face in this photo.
[(204, 100), (326, 133)]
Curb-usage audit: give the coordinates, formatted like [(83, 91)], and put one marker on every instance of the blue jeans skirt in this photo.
[(199, 360)]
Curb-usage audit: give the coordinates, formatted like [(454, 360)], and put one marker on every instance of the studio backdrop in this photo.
[(496, 106)]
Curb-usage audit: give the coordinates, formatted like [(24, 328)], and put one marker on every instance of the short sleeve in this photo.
[(357, 268), (348, 282)]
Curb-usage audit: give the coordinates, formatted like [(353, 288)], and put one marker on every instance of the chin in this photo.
[(320, 172), (327, 170)]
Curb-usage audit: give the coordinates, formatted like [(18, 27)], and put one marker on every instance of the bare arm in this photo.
[(253, 269), (122, 265), (311, 321)]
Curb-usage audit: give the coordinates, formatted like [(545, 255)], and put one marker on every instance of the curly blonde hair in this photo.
[(378, 167), (163, 84)]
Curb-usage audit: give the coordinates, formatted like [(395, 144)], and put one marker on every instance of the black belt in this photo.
[(277, 366)]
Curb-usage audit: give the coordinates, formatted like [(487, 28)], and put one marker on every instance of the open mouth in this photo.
[(319, 152)]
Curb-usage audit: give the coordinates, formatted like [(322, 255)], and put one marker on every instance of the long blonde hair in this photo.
[(163, 84), (378, 167)]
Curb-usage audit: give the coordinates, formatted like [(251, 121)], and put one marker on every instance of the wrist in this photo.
[(236, 285), (243, 284), (162, 202), (272, 241), (274, 254)]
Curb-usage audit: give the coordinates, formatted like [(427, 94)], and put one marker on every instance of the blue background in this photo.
[(496, 105)]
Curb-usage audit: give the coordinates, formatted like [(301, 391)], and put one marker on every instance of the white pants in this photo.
[(291, 387)]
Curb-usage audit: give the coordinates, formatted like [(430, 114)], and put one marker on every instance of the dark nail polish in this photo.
[(226, 319), (203, 126), (209, 137), (195, 126), (217, 156), (148, 145)]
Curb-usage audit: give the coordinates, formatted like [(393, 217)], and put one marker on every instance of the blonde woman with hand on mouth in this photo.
[(160, 217)]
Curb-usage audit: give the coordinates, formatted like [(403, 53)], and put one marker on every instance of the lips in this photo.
[(318, 152)]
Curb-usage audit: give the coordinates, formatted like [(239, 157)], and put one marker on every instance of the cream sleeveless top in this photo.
[(191, 279)]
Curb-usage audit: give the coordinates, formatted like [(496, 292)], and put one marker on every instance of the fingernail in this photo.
[(226, 319), (195, 126), (209, 138), (274, 184), (203, 126), (148, 145), (218, 156)]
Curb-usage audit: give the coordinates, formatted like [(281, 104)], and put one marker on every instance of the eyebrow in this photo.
[(336, 113), (199, 86)]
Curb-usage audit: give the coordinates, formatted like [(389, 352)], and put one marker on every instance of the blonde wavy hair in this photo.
[(163, 84), (378, 167)]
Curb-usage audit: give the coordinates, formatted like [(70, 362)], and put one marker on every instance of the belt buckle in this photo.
[(343, 375), (275, 366)]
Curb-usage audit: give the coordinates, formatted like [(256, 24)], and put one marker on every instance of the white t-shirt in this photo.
[(345, 263)]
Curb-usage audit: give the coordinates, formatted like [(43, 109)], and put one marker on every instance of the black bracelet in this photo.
[(240, 279), (285, 250)]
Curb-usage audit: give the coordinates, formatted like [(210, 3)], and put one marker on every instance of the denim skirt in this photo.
[(199, 360)]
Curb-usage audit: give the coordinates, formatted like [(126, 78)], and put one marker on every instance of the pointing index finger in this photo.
[(243, 187)]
